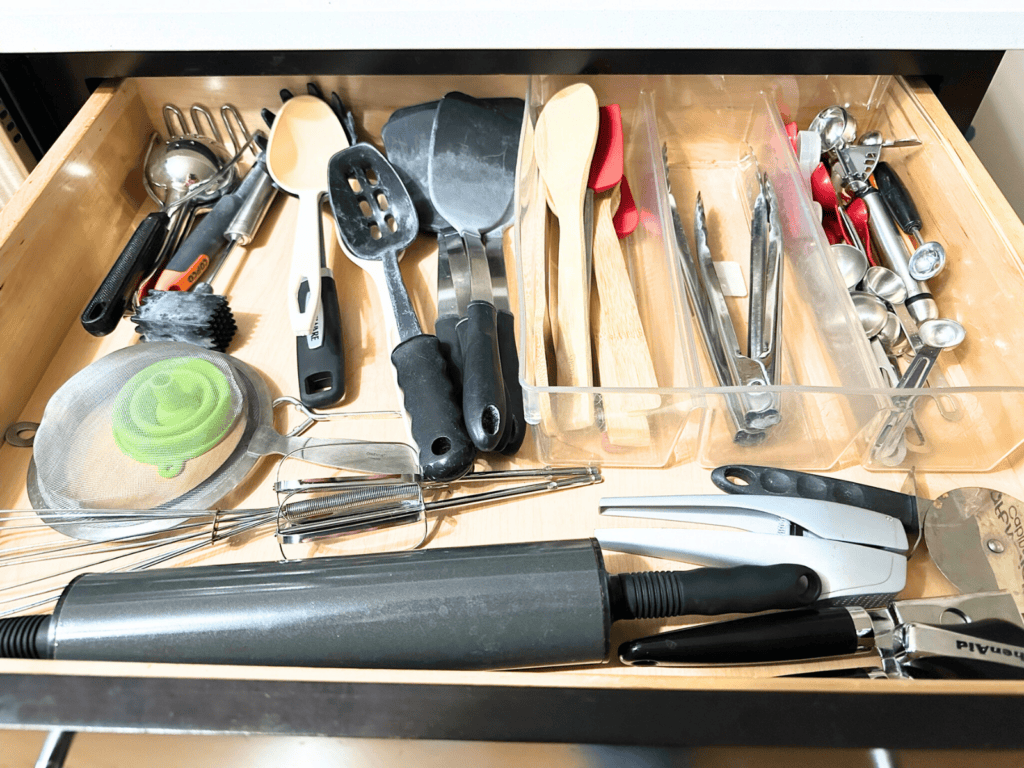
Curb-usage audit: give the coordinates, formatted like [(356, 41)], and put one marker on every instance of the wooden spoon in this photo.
[(566, 134), (304, 137), (623, 357)]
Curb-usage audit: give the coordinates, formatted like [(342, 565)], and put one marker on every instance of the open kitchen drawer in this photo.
[(59, 235)]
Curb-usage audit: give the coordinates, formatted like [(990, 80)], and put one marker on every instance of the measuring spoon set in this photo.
[(894, 303)]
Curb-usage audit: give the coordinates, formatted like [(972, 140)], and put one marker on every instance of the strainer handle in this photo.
[(445, 450)]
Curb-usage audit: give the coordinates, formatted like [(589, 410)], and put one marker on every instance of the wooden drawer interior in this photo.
[(63, 229)]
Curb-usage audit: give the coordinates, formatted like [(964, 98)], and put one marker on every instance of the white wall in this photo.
[(999, 129)]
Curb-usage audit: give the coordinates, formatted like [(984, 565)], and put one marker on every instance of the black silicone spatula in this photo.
[(406, 137), (376, 220), (471, 177)]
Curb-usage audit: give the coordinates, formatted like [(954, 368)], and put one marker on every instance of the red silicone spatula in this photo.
[(627, 216)]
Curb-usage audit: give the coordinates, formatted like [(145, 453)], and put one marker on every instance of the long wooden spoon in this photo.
[(623, 357), (564, 146)]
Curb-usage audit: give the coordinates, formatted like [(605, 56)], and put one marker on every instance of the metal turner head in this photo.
[(372, 208)]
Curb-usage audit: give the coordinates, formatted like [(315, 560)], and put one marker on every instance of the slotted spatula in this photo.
[(376, 220)]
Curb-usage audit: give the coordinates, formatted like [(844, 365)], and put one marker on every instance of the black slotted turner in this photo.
[(376, 220)]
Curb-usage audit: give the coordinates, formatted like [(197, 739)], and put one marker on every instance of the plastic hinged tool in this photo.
[(860, 556)]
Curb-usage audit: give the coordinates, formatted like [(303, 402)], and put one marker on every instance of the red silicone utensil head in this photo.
[(792, 129), (627, 217), (606, 167)]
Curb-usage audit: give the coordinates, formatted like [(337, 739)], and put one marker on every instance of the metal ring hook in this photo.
[(311, 416), (198, 110), (171, 113), (229, 113)]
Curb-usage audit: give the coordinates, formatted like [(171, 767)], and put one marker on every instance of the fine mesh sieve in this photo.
[(168, 425)]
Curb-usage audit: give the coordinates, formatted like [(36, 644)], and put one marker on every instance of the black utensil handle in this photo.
[(445, 330), (515, 420), (446, 452), (193, 257), (804, 633), (483, 388), (896, 196), (322, 368), (769, 481), (138, 259), (712, 591)]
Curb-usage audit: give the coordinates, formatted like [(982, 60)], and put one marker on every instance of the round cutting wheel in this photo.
[(976, 538), (151, 426)]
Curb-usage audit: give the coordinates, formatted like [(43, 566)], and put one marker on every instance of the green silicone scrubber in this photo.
[(173, 411)]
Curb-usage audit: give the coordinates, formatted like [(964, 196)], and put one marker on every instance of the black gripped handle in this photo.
[(445, 330), (804, 633), (769, 481), (483, 388), (712, 591), (515, 419), (193, 257), (446, 452), (138, 259), (322, 369), (897, 198)]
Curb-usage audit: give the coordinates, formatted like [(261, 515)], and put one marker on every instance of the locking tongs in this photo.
[(752, 411), (857, 554)]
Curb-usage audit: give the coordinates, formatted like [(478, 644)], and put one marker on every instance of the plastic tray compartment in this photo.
[(717, 133), (650, 262), (982, 418)]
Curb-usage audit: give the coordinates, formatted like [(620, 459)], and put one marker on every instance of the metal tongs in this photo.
[(752, 410)]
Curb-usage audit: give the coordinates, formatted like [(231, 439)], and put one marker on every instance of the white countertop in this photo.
[(134, 25)]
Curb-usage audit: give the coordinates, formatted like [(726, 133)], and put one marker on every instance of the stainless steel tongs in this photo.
[(752, 410)]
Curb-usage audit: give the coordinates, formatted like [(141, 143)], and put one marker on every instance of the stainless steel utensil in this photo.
[(928, 258), (852, 263), (871, 311), (936, 336), (885, 284), (875, 138), (704, 311), (856, 163), (376, 220), (835, 125), (760, 410)]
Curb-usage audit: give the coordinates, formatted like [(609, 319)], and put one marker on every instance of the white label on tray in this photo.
[(730, 275)]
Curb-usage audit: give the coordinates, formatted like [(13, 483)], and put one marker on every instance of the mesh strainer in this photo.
[(168, 426)]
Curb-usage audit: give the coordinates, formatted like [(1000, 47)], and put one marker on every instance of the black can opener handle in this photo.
[(768, 481)]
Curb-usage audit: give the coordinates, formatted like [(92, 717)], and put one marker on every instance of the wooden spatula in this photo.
[(564, 145), (623, 357)]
